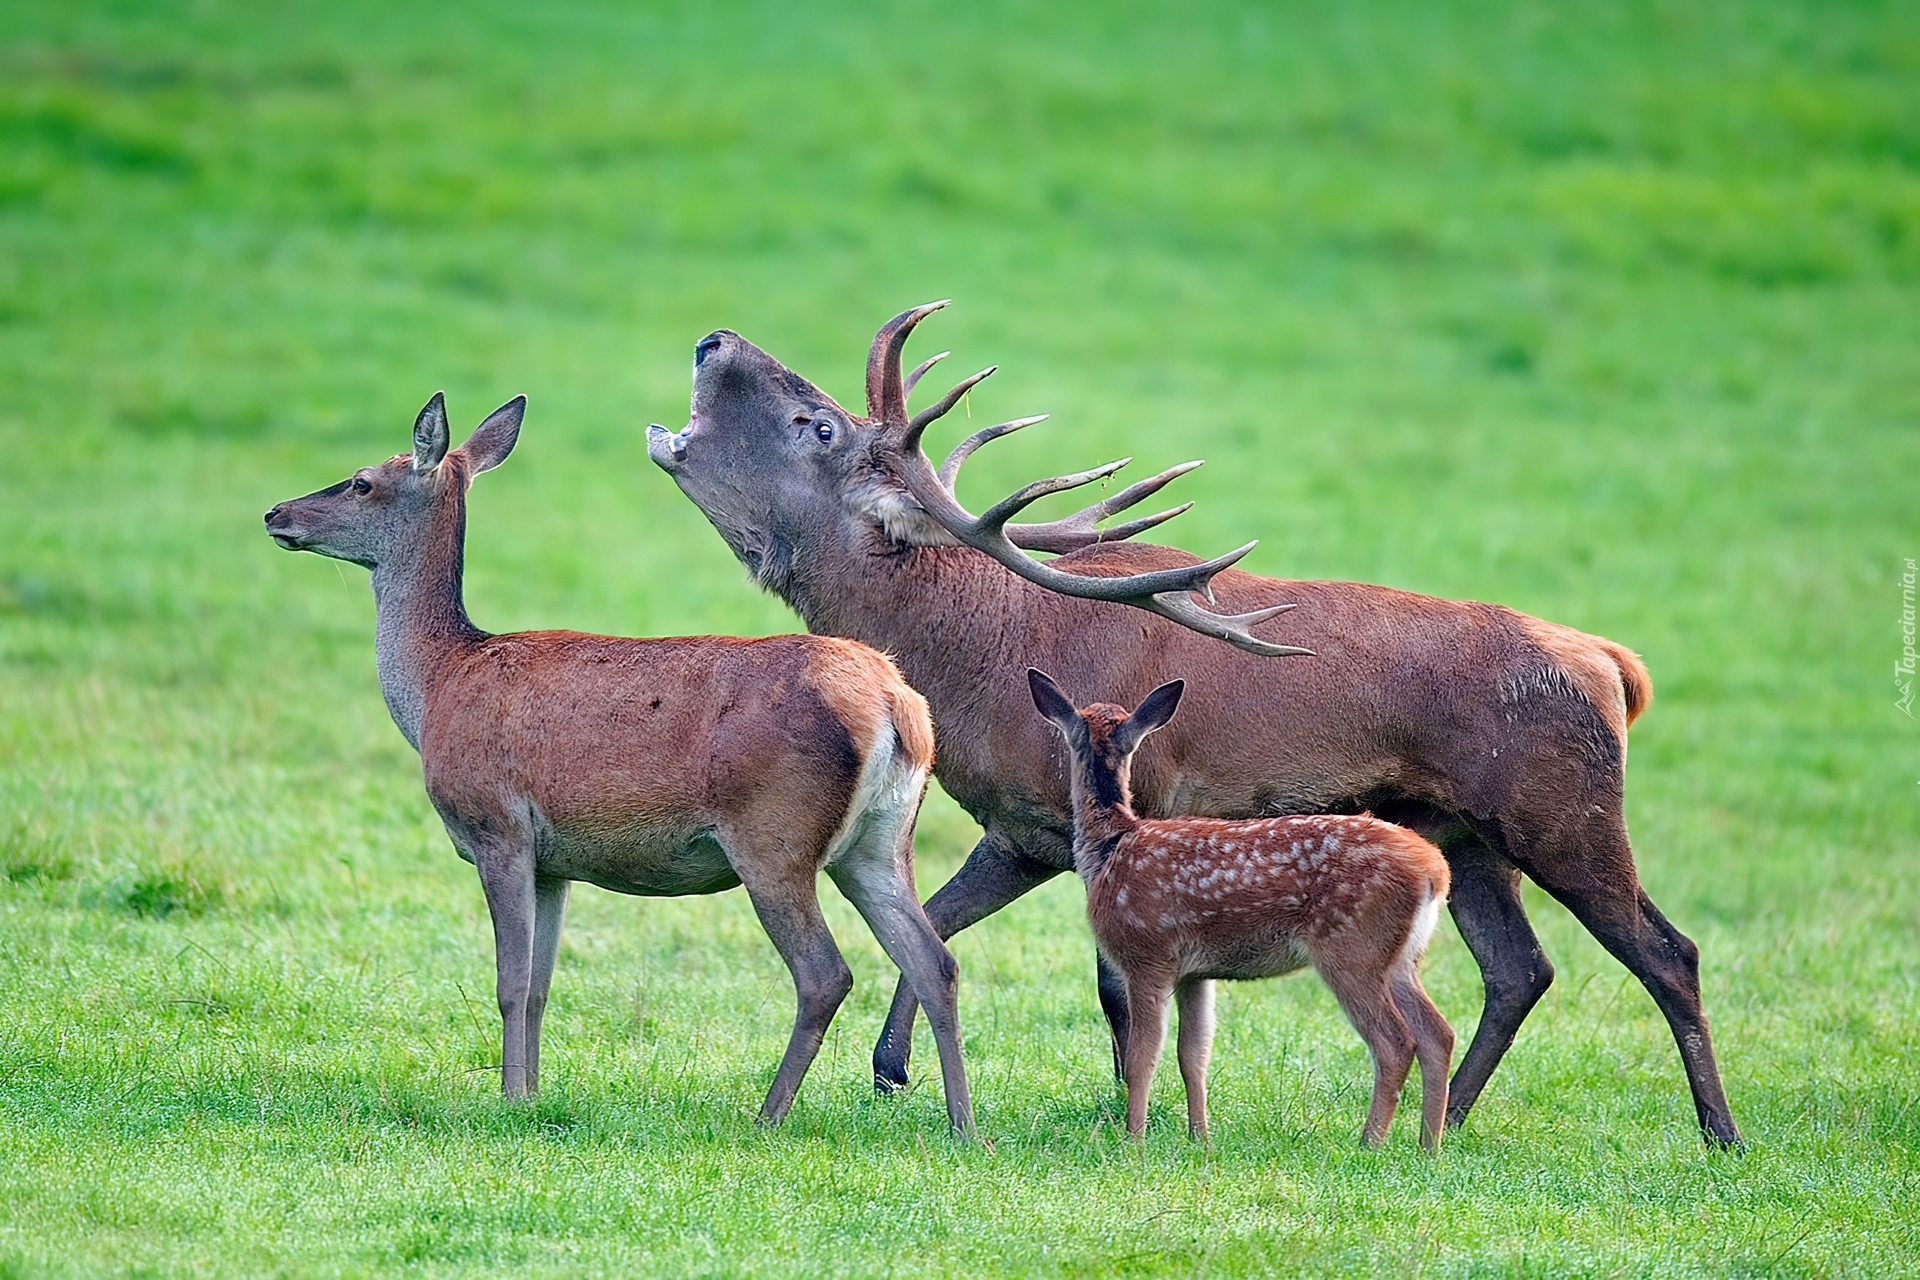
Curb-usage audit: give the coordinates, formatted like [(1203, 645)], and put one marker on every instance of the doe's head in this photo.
[(1102, 736), (375, 516)]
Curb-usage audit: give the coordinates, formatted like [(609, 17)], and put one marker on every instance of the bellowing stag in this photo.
[(1500, 737)]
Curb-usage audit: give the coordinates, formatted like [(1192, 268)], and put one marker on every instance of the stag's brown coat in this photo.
[(1499, 737)]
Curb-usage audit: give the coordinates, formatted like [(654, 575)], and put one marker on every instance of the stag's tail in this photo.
[(1635, 684)]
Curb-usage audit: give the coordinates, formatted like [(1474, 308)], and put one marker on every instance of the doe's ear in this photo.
[(494, 439), (1153, 712), (1050, 702), (430, 434)]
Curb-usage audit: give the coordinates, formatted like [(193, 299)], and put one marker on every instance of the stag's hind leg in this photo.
[(1591, 871)]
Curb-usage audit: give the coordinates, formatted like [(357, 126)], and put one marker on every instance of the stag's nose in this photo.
[(704, 348), (271, 513)]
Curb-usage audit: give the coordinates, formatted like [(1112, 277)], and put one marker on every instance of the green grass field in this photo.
[(1606, 313)]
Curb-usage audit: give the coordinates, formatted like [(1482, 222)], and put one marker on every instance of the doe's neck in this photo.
[(420, 615)]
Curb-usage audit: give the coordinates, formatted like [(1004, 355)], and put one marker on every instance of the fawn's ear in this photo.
[(430, 434), (1153, 712), (494, 439), (1050, 702)]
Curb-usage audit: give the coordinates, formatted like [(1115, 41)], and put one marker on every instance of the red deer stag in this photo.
[(652, 767), (1499, 737), (1177, 902)]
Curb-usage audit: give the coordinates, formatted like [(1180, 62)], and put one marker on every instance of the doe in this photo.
[(656, 767), (1176, 903)]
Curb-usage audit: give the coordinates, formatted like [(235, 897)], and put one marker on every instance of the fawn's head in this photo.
[(376, 515), (1103, 737)]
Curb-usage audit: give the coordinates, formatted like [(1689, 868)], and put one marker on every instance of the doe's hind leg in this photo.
[(878, 880)]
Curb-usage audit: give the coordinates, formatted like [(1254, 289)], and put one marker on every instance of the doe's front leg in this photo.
[(506, 875), (549, 913)]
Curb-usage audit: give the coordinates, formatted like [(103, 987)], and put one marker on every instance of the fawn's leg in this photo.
[(1147, 1032), (1195, 999), (1433, 1045), (549, 912), (1369, 1007)]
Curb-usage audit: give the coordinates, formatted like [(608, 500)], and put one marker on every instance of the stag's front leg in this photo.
[(506, 875), (994, 874), (1112, 985)]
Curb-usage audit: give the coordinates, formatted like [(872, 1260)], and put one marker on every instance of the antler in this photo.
[(1167, 592)]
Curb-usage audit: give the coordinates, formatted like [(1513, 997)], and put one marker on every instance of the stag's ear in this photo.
[(430, 434), (493, 439), (1050, 702), (1152, 713)]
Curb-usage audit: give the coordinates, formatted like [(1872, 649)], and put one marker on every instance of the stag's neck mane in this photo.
[(420, 614)]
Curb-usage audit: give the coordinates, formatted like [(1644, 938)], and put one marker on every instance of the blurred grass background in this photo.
[(1604, 313)]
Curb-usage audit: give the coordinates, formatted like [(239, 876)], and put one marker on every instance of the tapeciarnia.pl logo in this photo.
[(1903, 669)]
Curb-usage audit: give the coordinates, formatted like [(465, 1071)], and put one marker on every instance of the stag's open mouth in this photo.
[(285, 541), (668, 449)]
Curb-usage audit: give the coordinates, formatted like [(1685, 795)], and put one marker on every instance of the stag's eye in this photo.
[(360, 485), (823, 427)]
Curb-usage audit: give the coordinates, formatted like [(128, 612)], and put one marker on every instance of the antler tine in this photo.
[(950, 469), (1082, 528), (920, 370), (994, 519), (1229, 627), (935, 411), (886, 389), (1062, 536)]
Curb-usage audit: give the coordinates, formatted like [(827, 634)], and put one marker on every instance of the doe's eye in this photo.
[(361, 486)]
